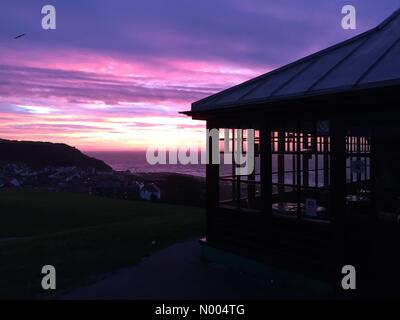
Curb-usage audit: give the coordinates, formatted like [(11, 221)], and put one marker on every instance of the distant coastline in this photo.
[(123, 175), (135, 162), (38, 154)]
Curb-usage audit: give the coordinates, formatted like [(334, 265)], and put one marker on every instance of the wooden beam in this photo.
[(212, 187), (338, 193), (266, 169)]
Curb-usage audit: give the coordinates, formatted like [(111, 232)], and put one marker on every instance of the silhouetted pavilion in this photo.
[(326, 187)]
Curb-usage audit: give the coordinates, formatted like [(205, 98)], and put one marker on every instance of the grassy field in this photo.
[(82, 236)]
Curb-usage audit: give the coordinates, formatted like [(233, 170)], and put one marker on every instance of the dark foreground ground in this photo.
[(178, 272), (81, 236), (113, 249)]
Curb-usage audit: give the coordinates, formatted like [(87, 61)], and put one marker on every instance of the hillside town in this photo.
[(114, 184), (166, 187)]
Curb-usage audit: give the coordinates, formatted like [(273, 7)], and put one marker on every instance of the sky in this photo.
[(114, 75)]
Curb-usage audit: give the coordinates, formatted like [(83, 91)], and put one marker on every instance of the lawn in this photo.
[(82, 236)]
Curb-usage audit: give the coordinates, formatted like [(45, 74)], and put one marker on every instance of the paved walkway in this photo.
[(178, 272)]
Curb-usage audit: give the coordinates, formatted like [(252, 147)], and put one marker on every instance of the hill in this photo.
[(40, 154), (82, 236)]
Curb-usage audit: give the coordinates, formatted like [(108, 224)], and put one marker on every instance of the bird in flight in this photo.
[(19, 36)]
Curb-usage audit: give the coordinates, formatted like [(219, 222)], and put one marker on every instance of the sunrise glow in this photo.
[(100, 83)]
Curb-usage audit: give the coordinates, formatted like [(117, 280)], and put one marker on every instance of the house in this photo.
[(14, 183), (325, 190), (149, 191)]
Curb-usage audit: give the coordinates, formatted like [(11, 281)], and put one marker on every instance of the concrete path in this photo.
[(178, 272)]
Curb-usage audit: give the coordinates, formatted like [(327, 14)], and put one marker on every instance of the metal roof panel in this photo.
[(309, 77), (348, 73), (388, 67), (369, 58), (270, 84)]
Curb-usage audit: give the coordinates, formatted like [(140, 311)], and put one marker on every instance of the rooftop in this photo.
[(370, 59)]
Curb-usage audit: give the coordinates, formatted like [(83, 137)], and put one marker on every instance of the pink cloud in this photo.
[(98, 102)]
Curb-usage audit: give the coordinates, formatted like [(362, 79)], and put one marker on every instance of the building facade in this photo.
[(325, 189)]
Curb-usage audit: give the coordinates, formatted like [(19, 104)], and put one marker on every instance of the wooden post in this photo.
[(372, 175), (306, 158), (266, 170), (212, 187), (281, 163), (326, 153), (338, 195)]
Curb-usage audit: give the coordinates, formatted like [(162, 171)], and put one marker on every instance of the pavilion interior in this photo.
[(300, 164)]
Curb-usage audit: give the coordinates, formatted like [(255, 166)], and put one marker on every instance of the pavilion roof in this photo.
[(370, 59)]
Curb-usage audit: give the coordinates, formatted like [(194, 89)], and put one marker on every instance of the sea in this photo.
[(136, 162)]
